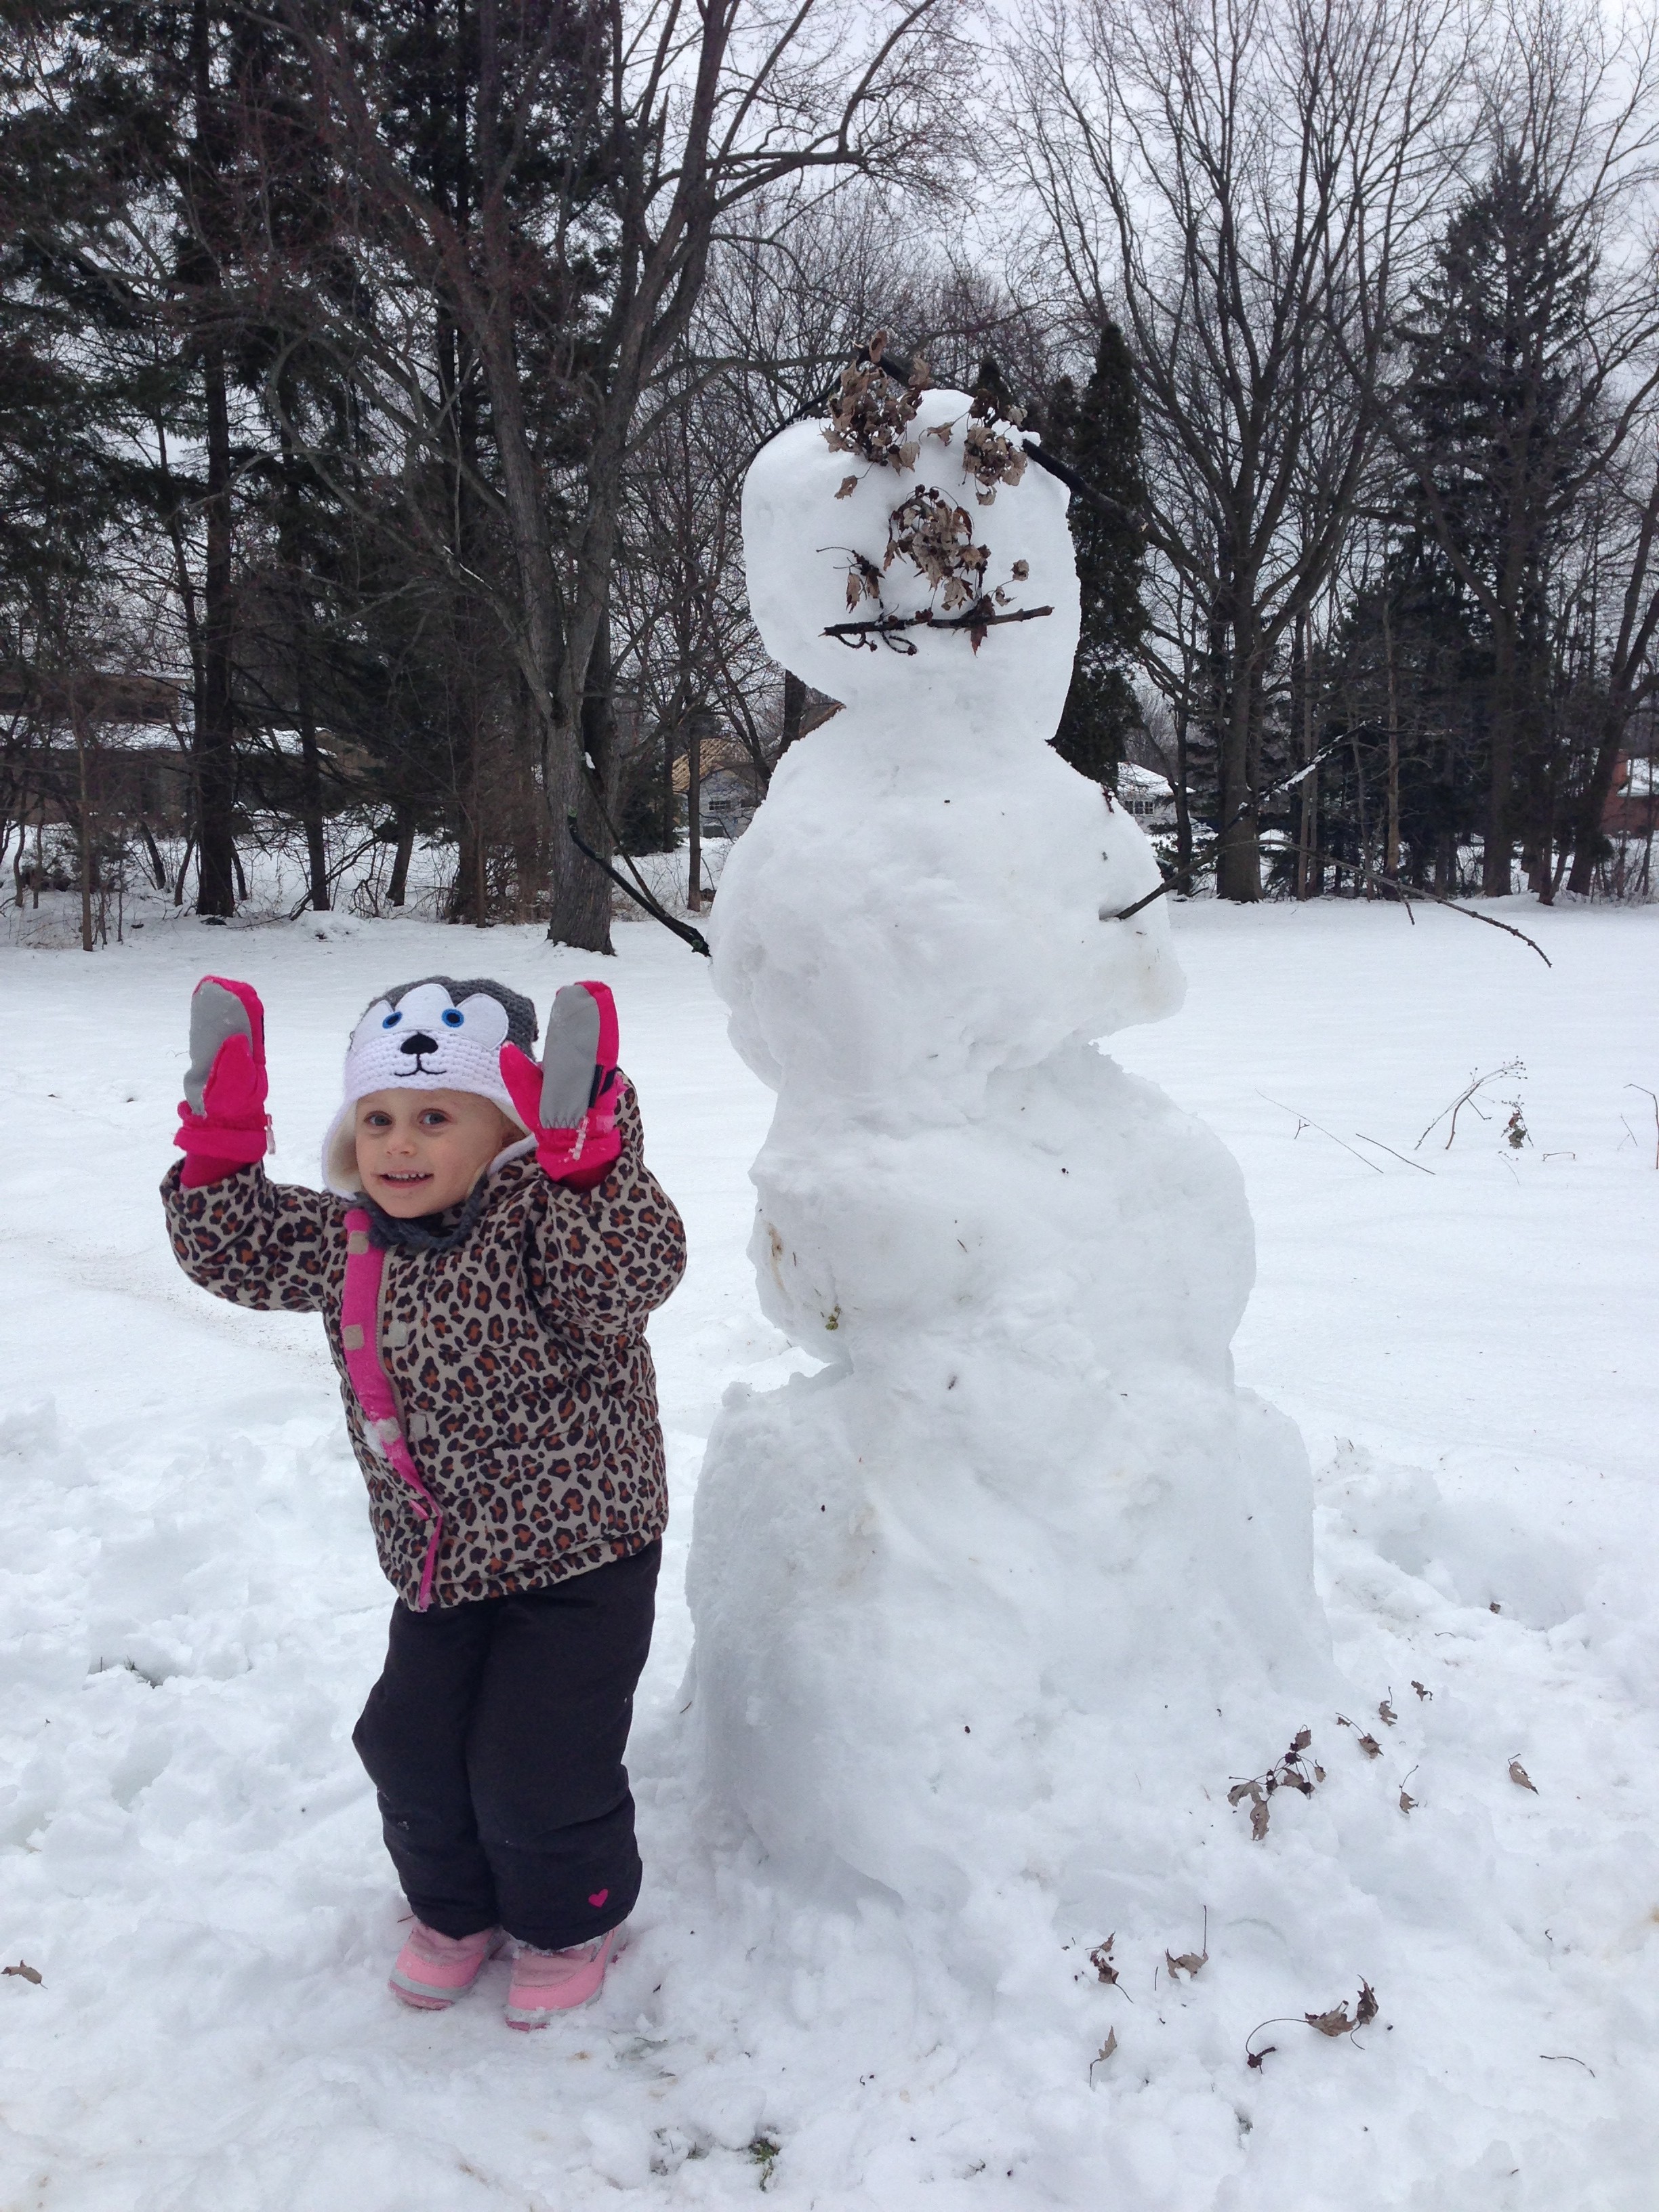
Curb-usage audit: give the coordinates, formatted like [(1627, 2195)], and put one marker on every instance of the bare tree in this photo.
[(660, 129), (1235, 185)]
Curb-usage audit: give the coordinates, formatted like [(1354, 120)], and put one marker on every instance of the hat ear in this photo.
[(340, 1153), (485, 1017), (379, 1016)]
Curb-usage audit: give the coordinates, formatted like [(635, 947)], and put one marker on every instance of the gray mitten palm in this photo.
[(221, 1115)]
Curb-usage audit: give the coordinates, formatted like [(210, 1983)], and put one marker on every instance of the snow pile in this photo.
[(190, 1616), (952, 1593)]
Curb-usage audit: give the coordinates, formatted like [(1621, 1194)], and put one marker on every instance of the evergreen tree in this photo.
[(1097, 432), (1503, 428)]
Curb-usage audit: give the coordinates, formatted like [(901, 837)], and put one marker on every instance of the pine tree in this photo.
[(1099, 433), (1503, 421)]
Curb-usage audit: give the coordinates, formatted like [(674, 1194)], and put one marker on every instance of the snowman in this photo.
[(992, 1606)]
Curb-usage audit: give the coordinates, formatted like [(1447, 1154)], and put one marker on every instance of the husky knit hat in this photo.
[(436, 1033)]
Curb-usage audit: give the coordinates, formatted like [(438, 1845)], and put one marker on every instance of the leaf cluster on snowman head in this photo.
[(987, 456), (870, 415), (937, 538)]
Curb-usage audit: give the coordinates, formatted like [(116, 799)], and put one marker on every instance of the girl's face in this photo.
[(421, 1152)]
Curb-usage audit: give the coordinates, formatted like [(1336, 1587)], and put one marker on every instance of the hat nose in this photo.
[(419, 1042)]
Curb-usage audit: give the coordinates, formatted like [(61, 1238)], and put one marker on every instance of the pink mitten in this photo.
[(222, 1116), (570, 1103)]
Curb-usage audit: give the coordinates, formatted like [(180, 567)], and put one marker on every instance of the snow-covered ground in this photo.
[(191, 1613)]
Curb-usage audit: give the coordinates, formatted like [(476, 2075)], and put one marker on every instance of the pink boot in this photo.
[(546, 1982), (434, 1970)]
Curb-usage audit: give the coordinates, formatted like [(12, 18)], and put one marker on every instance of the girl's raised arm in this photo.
[(257, 1243)]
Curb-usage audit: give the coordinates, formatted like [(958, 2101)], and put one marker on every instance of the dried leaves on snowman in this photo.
[(874, 417), (938, 539)]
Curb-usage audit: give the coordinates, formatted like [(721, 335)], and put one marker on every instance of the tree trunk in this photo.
[(1309, 869), (1495, 864), (310, 765), (157, 871), (184, 863), (1362, 868), (1238, 869), (83, 826), (404, 852), (586, 902), (694, 809), (1184, 808), (1391, 820), (1588, 837), (216, 757)]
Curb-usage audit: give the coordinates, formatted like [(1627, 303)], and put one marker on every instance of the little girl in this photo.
[(484, 1257)]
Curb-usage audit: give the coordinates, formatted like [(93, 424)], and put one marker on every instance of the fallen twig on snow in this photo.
[(1382, 1147), (1646, 1093), (1307, 1122), (1466, 1097)]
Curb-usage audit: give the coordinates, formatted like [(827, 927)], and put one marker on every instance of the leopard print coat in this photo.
[(518, 1358)]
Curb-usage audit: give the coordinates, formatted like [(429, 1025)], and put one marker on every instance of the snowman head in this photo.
[(832, 539)]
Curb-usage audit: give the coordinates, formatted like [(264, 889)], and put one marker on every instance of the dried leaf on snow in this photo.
[(1100, 1959), (1289, 1773), (1519, 1776), (1336, 2021), (29, 1973)]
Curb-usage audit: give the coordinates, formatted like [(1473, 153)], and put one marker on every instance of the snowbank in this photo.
[(189, 1854)]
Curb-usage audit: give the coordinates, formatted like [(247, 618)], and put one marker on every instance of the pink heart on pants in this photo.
[(598, 1898)]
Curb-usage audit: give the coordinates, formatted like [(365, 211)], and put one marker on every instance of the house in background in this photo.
[(116, 739), (727, 786), (1632, 807), (1146, 795)]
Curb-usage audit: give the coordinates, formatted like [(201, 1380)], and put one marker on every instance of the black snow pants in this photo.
[(495, 1739)]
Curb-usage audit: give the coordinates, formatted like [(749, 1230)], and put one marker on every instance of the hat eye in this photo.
[(392, 1021), (453, 1018)]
